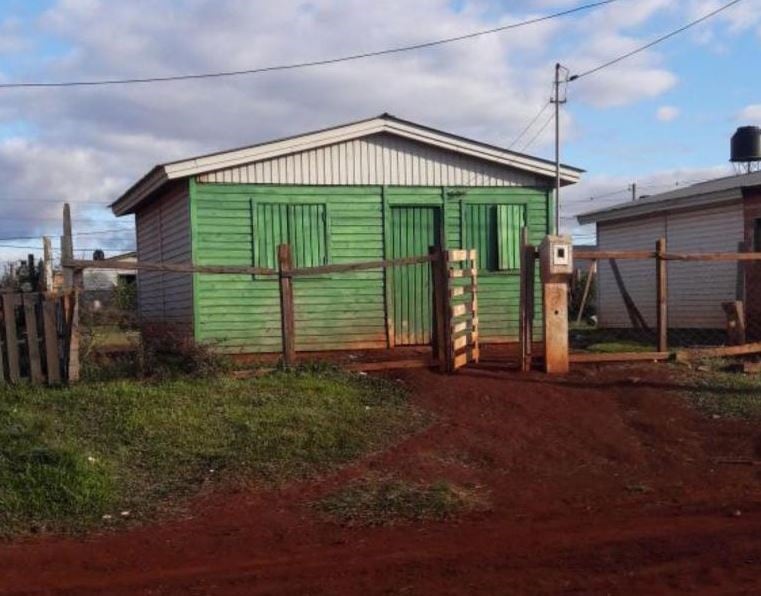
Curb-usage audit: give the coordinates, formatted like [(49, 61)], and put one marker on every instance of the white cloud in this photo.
[(667, 113), (91, 143), (750, 114)]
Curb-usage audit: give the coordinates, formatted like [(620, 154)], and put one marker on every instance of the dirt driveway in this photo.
[(600, 482)]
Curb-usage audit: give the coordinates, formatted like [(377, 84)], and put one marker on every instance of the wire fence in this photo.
[(639, 301)]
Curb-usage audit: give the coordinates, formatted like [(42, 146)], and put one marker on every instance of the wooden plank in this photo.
[(587, 286), (714, 256), (457, 255), (11, 337), (457, 273), (459, 310), (459, 361), (168, 267), (32, 338), (51, 341), (475, 354), (70, 310), (580, 358), (751, 348), (581, 255), (439, 282), (662, 296), (458, 326), (287, 318), (635, 316), (460, 342)]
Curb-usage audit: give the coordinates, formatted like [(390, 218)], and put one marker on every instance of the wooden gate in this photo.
[(35, 336), (456, 299)]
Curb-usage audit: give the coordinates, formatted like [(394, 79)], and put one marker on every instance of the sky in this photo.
[(660, 119)]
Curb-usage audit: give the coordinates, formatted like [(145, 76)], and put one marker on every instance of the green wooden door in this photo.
[(413, 231)]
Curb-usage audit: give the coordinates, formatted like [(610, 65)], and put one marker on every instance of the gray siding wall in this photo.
[(163, 235), (696, 289), (375, 160)]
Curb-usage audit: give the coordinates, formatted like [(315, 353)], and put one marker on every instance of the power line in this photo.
[(655, 41), (530, 124), (93, 233), (299, 65), (539, 132)]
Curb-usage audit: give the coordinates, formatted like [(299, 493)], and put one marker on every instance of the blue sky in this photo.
[(661, 118)]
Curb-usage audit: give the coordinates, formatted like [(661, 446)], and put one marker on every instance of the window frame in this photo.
[(756, 231)]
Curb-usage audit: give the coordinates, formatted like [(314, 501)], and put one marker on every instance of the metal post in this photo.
[(634, 191)]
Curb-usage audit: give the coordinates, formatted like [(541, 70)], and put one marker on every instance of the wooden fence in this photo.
[(455, 339), (35, 337), (661, 258)]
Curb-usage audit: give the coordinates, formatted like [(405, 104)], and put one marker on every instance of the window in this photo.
[(495, 232), (304, 227), (757, 235)]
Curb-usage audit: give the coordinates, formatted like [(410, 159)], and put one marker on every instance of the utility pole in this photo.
[(633, 188), (557, 101)]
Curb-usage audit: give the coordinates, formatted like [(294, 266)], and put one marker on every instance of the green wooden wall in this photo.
[(240, 313)]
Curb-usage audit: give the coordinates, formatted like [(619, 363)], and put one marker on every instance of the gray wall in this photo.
[(163, 235)]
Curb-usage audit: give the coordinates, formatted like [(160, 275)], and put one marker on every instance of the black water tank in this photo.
[(746, 144)]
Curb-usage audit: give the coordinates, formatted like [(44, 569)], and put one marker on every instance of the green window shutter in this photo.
[(481, 234), (304, 227), (308, 234), (270, 230), (510, 220)]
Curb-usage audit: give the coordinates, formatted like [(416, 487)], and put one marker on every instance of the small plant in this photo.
[(167, 350), (382, 501)]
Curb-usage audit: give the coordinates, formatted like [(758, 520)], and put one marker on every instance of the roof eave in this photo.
[(139, 191), (635, 210)]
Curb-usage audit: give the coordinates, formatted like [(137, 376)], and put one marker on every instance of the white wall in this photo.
[(696, 289)]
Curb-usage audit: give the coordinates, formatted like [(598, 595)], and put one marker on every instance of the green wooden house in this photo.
[(369, 190)]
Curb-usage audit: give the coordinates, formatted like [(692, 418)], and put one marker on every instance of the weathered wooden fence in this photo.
[(35, 336), (664, 337), (454, 301)]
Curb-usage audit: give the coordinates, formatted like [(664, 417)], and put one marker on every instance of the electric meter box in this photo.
[(556, 256)]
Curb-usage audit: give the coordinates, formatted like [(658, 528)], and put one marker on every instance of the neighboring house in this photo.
[(719, 215), (99, 284), (369, 190)]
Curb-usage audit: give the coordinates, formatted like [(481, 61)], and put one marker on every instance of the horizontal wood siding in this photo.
[(238, 313), (163, 235), (375, 160), (499, 292)]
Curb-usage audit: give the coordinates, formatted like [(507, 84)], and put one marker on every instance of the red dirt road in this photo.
[(601, 482)]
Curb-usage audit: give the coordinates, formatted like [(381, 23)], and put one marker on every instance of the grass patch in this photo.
[(728, 394), (614, 347), (70, 456), (384, 501)]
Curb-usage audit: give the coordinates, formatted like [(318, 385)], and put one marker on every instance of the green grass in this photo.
[(615, 347), (728, 394), (70, 456), (383, 501)]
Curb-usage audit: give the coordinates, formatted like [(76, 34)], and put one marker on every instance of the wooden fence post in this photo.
[(663, 300), (287, 318), (527, 291), (11, 337), (73, 282), (46, 279), (587, 287), (439, 304)]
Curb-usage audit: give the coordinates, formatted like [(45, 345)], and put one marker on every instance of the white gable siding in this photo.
[(163, 235), (375, 160), (696, 289), (638, 276)]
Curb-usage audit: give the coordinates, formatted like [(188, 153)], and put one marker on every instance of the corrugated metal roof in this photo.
[(385, 123), (718, 190)]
